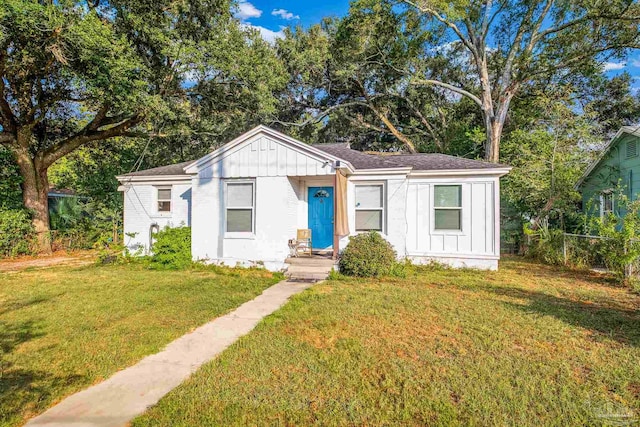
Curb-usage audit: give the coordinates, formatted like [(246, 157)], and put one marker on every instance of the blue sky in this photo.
[(270, 17)]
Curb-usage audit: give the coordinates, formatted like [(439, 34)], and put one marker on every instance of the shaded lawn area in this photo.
[(62, 329), (528, 345)]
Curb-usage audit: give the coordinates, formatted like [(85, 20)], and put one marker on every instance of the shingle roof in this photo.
[(361, 160), (177, 169), (419, 162)]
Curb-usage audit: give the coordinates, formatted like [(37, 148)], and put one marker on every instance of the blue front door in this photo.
[(321, 216)]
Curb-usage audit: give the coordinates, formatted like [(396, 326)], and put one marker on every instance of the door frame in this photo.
[(308, 187)]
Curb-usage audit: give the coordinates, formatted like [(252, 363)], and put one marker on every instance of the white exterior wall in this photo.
[(276, 214), (281, 175), (395, 223), (265, 156), (477, 245), (141, 211)]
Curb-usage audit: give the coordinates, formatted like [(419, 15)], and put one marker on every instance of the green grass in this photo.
[(62, 329), (528, 345)]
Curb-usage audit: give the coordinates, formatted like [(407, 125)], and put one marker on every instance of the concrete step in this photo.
[(324, 262), (309, 269), (306, 276)]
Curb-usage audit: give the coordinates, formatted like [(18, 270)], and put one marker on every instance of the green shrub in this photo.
[(620, 246), (16, 233), (172, 248), (545, 244), (367, 255)]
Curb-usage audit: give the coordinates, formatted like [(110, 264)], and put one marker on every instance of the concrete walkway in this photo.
[(130, 392)]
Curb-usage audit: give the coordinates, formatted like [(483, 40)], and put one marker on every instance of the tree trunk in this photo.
[(494, 134), (35, 189)]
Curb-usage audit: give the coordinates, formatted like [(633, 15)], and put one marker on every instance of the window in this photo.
[(240, 207), (606, 203), (369, 207), (632, 149), (448, 207), (164, 199)]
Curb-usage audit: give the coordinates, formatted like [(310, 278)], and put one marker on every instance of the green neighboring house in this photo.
[(617, 166)]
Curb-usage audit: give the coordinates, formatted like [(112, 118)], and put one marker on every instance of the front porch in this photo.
[(317, 212)]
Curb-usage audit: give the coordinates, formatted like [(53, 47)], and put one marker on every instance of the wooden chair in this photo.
[(302, 243)]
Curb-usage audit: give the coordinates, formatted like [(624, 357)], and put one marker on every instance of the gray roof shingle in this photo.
[(419, 162), (361, 160), (177, 169)]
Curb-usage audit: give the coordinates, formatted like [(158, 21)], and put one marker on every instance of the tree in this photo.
[(354, 70), (548, 156), (612, 103), (73, 73), (509, 43)]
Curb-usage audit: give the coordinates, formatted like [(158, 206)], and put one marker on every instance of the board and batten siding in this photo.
[(275, 167), (477, 240), (265, 156)]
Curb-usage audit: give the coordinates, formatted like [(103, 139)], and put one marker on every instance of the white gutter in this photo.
[(154, 179), (462, 172)]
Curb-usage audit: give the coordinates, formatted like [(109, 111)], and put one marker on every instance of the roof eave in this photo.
[(383, 171), (127, 179), (462, 172), (597, 161)]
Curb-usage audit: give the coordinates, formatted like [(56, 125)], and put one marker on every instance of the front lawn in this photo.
[(64, 328), (528, 345)]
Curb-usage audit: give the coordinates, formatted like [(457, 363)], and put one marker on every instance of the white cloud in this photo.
[(636, 62), (284, 14), (611, 66), (247, 10), (267, 34)]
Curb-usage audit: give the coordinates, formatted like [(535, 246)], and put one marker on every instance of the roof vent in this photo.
[(632, 149)]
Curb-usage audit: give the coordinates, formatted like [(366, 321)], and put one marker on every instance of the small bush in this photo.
[(367, 255), (172, 248), (16, 233), (545, 244)]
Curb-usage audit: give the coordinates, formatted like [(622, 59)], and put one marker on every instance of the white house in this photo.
[(245, 201)]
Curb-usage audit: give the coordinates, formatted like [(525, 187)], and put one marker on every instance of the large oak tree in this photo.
[(74, 73)]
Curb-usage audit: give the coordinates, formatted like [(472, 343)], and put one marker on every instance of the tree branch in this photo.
[(85, 136), (7, 138), (9, 119), (446, 22), (449, 87), (322, 114)]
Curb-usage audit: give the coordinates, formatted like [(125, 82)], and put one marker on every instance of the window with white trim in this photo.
[(240, 206), (447, 202), (164, 199), (606, 203), (370, 207)]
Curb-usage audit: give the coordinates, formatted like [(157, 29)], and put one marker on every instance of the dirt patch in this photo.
[(56, 259)]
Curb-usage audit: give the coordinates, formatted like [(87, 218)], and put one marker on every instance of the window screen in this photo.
[(369, 207), (164, 200), (240, 207), (448, 207)]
